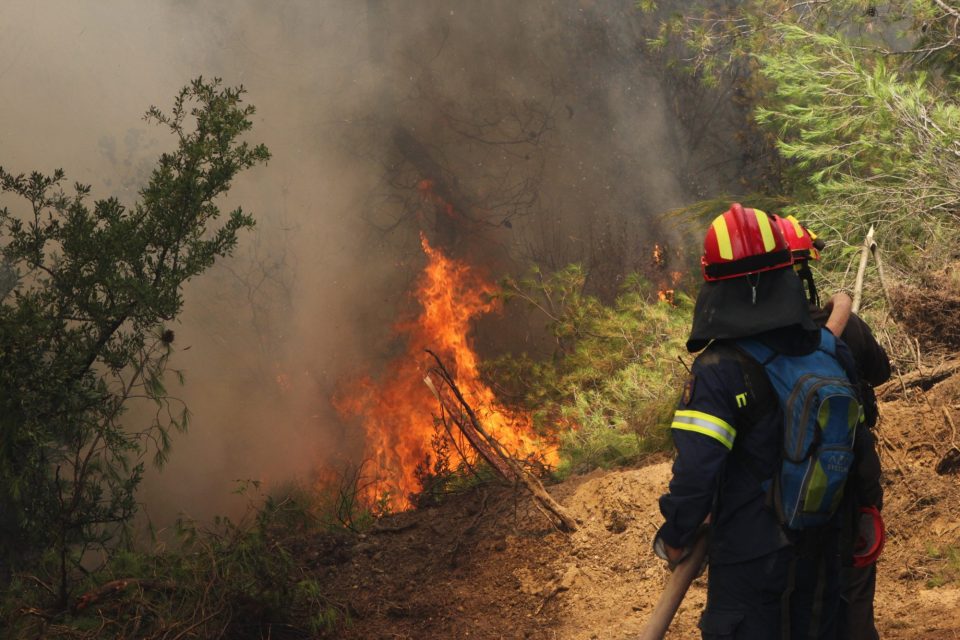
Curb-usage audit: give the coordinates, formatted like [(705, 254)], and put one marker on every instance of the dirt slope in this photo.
[(486, 565)]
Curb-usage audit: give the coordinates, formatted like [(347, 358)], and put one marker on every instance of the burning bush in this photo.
[(396, 411)]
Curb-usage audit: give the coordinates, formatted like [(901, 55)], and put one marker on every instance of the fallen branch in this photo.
[(473, 436), (897, 388), (465, 418), (116, 587)]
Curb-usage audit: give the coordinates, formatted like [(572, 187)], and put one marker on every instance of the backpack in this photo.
[(821, 409)]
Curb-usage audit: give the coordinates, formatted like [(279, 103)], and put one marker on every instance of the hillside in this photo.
[(486, 564)]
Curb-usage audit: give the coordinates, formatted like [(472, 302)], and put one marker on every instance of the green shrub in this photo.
[(247, 579), (608, 390), (90, 289)]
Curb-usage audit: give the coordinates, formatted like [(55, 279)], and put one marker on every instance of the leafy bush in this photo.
[(610, 386), (87, 290), (617, 423)]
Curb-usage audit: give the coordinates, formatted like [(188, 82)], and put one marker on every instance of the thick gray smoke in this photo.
[(505, 131)]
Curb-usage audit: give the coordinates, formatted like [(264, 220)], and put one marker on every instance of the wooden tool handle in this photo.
[(674, 591)]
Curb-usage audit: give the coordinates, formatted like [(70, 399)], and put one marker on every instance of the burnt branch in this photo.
[(468, 420)]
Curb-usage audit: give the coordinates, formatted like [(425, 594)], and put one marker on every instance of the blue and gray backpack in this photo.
[(821, 409)]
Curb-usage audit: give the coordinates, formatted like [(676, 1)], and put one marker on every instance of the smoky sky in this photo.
[(507, 132)]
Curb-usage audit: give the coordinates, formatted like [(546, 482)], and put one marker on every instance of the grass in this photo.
[(246, 579), (600, 442), (947, 561)]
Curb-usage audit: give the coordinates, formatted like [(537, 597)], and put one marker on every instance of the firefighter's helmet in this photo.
[(803, 243), (741, 242)]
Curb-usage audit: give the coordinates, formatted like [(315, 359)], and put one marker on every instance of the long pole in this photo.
[(862, 270), (675, 591)]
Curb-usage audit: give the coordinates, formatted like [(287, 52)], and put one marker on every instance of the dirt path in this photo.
[(486, 565)]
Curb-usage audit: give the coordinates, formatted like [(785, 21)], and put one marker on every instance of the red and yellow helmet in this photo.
[(803, 243), (741, 242)]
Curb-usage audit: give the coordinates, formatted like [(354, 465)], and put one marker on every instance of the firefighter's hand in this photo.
[(840, 306), (671, 555), (674, 555)]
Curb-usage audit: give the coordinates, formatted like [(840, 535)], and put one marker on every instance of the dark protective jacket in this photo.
[(728, 432)]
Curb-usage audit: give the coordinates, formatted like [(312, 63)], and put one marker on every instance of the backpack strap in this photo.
[(756, 350), (828, 343), (763, 396), (754, 356), (764, 354)]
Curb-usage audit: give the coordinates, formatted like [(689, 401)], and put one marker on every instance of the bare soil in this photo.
[(487, 564)]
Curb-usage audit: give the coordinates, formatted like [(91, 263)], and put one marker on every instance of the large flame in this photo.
[(397, 410)]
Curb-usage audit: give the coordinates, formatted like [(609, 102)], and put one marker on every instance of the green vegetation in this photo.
[(947, 565), (868, 144), (858, 97), (612, 382), (89, 290), (248, 579), (858, 102)]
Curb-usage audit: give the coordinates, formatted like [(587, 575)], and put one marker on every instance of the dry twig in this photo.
[(464, 416)]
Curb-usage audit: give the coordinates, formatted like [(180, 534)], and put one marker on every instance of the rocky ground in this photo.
[(488, 565)]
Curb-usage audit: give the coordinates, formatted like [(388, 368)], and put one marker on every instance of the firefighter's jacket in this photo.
[(728, 429)]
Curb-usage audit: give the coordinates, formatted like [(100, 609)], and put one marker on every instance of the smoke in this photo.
[(508, 132)]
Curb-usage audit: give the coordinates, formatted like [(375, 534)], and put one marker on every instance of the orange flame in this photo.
[(658, 257), (427, 194), (397, 411)]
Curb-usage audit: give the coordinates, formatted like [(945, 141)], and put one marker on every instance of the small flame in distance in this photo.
[(658, 258), (396, 411)]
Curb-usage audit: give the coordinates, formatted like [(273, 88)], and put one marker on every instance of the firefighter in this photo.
[(764, 581), (864, 524)]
